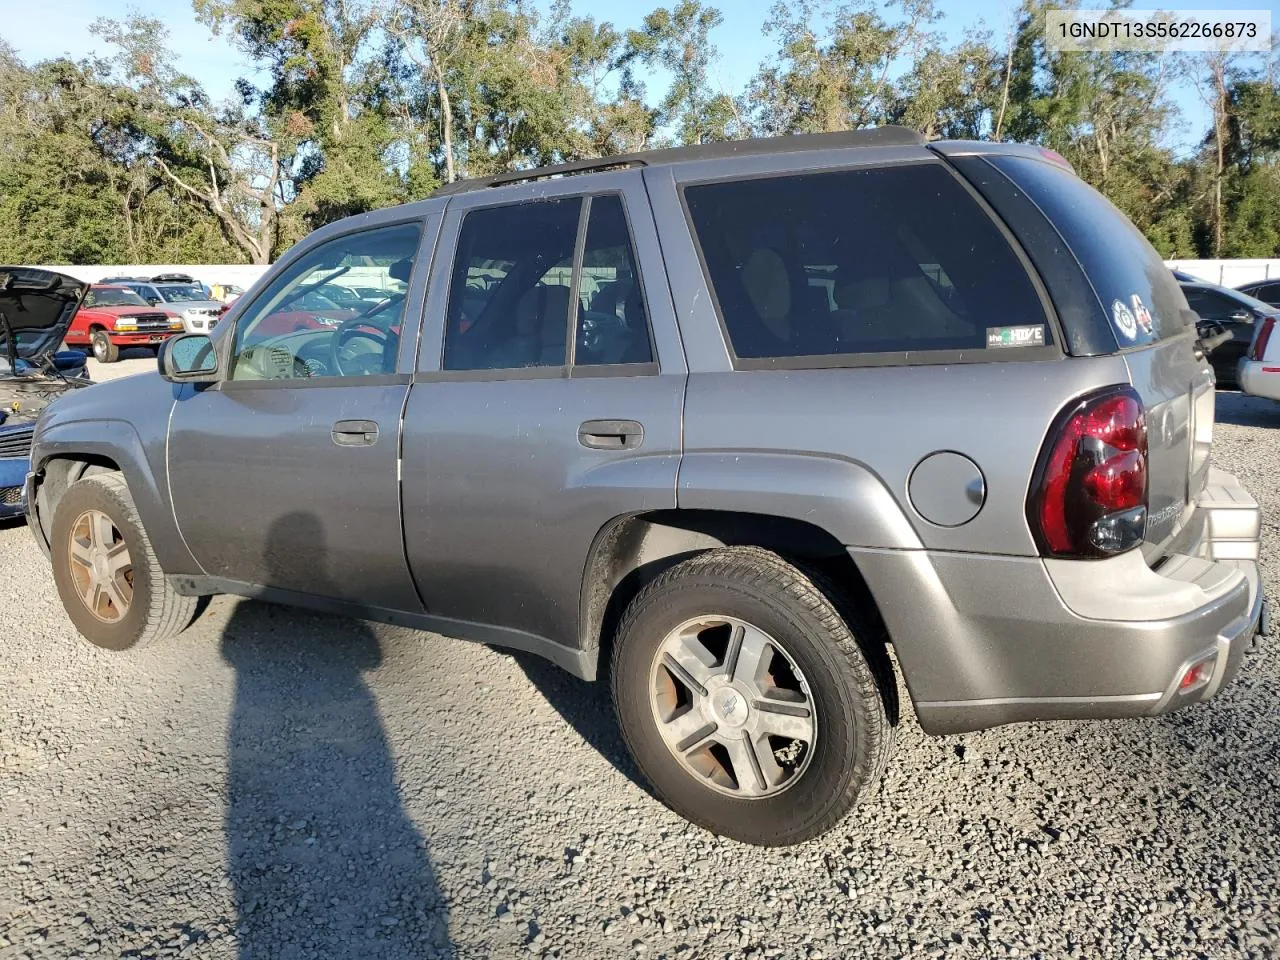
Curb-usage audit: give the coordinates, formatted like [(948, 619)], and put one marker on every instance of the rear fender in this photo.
[(843, 497)]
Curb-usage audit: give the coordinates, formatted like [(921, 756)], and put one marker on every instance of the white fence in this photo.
[(1228, 273), (241, 274)]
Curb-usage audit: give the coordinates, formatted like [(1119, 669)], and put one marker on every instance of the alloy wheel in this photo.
[(733, 707), (101, 569)]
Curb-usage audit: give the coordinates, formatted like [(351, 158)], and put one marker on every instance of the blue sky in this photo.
[(59, 27)]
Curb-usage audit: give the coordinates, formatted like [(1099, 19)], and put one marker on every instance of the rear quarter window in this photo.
[(1137, 291), (881, 261)]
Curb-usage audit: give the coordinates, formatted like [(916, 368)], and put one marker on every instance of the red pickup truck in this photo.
[(114, 317)]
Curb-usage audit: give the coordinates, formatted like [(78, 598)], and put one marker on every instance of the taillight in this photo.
[(1089, 495), (1258, 351)]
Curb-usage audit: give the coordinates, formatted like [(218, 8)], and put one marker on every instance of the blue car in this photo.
[(36, 307)]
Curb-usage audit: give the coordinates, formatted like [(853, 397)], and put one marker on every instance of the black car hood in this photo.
[(38, 306)]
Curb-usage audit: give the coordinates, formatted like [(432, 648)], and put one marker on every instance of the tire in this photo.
[(104, 351), (755, 590), (154, 611)]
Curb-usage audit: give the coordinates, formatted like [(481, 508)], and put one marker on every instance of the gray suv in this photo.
[(728, 424)]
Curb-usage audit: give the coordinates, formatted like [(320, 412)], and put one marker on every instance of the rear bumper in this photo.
[(1259, 378), (986, 640)]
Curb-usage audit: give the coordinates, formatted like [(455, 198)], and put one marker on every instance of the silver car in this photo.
[(184, 296), (724, 425)]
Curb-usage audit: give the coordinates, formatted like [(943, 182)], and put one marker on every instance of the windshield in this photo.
[(113, 297), (181, 293)]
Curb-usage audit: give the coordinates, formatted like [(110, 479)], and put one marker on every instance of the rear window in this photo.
[(1138, 292), (892, 260)]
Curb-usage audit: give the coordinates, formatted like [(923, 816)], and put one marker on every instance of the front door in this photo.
[(284, 474)]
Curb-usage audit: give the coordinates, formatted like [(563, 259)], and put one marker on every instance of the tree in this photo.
[(225, 161), (841, 80), (322, 97), (677, 39)]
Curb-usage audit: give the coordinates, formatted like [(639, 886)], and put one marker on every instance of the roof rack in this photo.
[(886, 136)]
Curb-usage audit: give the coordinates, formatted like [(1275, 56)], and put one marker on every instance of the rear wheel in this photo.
[(746, 700), (106, 574), (104, 351)]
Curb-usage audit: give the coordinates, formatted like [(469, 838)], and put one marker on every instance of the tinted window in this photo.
[(1209, 304), (860, 261), (1122, 266), (613, 325), (1269, 293), (293, 332), (510, 293), (174, 293)]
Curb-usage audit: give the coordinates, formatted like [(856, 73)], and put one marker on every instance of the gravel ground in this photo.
[(281, 784)]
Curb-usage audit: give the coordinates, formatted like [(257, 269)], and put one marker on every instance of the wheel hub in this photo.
[(728, 706)]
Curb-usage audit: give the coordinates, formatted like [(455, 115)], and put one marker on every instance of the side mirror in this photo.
[(1242, 316), (190, 358), (153, 300)]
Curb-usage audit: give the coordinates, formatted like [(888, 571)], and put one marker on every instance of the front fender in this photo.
[(843, 497), (118, 441)]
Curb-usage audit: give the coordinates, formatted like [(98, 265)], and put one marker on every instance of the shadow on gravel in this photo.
[(586, 707), (323, 859), (1246, 411)]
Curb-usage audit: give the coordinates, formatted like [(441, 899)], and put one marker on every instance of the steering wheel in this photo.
[(355, 328)]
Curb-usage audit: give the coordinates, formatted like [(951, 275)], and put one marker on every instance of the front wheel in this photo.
[(106, 574), (104, 351), (747, 700)]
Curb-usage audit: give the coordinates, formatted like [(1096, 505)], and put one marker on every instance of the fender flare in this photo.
[(843, 497), (118, 442)]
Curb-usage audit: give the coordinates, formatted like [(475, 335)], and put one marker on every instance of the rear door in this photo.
[(1142, 314), (546, 403)]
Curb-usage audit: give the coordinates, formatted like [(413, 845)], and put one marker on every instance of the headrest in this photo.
[(767, 283), (868, 294), (400, 270)]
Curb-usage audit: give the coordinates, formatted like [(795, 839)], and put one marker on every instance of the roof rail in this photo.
[(886, 136)]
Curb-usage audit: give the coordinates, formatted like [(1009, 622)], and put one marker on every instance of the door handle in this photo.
[(355, 433), (611, 434)]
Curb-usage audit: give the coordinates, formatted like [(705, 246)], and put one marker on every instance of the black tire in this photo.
[(156, 611), (103, 349), (855, 733)]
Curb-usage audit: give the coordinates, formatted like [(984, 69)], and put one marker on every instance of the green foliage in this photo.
[(368, 103)]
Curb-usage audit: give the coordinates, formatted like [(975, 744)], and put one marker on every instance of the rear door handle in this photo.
[(355, 433), (611, 434)]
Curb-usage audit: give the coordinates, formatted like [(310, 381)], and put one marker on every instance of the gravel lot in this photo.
[(282, 784)]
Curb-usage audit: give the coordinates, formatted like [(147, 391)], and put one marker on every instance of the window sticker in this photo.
[(1031, 335), (1126, 323), (1142, 314)]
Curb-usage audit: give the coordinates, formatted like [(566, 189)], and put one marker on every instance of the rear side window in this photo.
[(509, 299), (1138, 292), (892, 260)]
